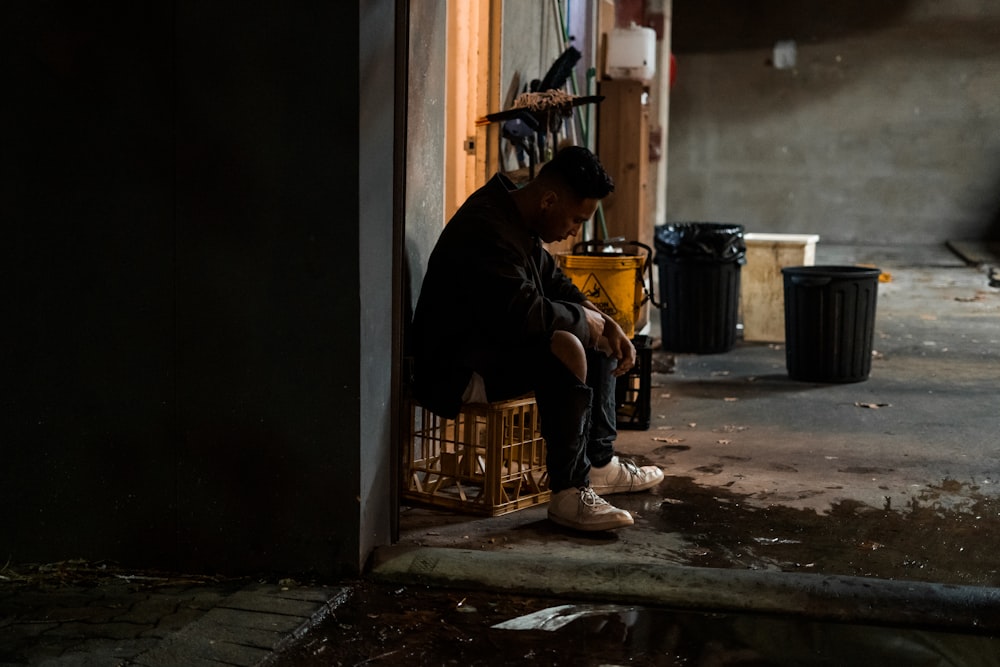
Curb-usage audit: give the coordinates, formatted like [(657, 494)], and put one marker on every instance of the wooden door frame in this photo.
[(475, 31)]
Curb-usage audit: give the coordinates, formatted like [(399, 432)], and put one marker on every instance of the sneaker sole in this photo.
[(609, 524)]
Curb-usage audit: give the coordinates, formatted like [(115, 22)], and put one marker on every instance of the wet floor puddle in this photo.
[(924, 541), (382, 625)]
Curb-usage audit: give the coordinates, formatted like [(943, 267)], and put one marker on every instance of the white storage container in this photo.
[(632, 53), (762, 287)]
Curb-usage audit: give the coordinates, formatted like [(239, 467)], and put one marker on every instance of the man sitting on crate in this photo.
[(496, 319)]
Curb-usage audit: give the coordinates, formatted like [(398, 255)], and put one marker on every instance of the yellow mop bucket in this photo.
[(610, 278)]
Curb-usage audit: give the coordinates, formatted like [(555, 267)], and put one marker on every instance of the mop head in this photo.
[(545, 101)]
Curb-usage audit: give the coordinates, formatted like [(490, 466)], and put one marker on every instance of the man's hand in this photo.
[(611, 339), (596, 323), (620, 346)]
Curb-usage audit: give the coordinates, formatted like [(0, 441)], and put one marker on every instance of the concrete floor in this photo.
[(896, 477)]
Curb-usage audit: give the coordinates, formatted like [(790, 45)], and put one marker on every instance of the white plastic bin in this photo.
[(762, 297)]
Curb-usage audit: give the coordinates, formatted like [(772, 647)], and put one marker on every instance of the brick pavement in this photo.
[(154, 622)]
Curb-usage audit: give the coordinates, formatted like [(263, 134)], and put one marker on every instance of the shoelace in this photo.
[(629, 466), (591, 499)]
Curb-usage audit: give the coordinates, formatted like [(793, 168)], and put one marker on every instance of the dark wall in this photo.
[(181, 372)]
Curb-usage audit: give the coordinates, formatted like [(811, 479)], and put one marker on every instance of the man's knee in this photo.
[(568, 349)]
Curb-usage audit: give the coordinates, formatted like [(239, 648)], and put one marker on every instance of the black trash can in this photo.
[(699, 270), (829, 322)]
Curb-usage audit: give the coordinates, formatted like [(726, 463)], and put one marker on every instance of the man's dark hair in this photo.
[(578, 169)]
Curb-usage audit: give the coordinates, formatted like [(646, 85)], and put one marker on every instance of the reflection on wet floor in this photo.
[(379, 625), (922, 542)]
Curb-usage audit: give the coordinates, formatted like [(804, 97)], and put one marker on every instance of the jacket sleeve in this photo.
[(524, 296), (556, 283)]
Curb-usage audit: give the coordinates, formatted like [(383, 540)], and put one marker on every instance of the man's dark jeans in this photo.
[(578, 421)]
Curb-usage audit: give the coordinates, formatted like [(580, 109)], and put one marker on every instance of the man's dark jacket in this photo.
[(490, 288)]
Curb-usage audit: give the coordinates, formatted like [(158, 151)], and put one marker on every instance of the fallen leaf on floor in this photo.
[(871, 545), (730, 399), (883, 276), (672, 441), (693, 424), (872, 406), (723, 442), (696, 552)]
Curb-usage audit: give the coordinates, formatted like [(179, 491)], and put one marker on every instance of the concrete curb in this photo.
[(820, 597)]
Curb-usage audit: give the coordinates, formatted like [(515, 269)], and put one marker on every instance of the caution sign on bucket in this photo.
[(597, 295), (610, 277)]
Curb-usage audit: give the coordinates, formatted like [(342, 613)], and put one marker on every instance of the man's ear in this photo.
[(549, 199)]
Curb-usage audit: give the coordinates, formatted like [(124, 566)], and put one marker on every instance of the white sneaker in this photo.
[(623, 476), (582, 509)]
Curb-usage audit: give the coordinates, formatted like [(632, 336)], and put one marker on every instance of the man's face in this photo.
[(563, 215)]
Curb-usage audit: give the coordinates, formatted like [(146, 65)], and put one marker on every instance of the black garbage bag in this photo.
[(699, 285), (711, 241)]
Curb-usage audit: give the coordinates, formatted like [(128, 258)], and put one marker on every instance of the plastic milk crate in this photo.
[(489, 460), (632, 390)]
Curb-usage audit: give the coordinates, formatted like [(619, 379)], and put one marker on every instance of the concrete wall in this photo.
[(425, 136), (887, 130), (198, 221), (375, 147), (532, 41)]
